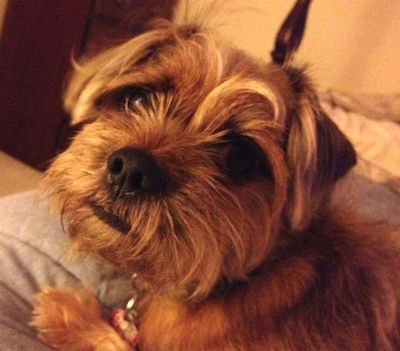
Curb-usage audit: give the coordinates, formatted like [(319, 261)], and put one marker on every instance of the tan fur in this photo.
[(262, 261), (69, 320)]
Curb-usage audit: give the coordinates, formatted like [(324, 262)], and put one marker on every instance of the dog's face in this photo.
[(196, 163)]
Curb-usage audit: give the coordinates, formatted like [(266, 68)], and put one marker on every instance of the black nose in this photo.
[(131, 169)]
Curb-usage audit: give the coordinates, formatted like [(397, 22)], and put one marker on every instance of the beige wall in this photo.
[(352, 45)]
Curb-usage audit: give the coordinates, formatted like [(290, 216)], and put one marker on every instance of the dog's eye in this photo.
[(243, 158), (133, 99), (240, 159)]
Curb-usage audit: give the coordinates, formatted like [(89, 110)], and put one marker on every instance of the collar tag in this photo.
[(125, 328)]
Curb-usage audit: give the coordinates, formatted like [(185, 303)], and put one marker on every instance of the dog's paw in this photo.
[(68, 320)]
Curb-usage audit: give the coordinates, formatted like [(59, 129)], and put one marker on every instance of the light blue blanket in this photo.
[(33, 251)]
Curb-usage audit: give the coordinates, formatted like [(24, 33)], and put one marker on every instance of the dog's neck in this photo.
[(237, 302), (183, 293)]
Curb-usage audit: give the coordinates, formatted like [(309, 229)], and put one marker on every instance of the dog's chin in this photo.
[(110, 219)]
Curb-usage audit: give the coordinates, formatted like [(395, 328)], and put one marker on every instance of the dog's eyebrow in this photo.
[(233, 88)]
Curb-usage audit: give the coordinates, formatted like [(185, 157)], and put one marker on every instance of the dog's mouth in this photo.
[(110, 219)]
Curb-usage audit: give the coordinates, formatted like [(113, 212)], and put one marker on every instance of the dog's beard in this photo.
[(181, 247)]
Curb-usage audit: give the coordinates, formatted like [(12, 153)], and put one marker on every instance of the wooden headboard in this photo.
[(36, 44)]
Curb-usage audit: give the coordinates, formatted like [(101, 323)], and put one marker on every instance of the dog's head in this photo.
[(196, 163)]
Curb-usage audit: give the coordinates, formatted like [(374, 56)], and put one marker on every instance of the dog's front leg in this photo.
[(67, 320)]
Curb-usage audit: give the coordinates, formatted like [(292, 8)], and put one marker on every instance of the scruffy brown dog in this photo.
[(211, 176)]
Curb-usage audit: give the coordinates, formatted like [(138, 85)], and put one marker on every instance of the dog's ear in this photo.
[(318, 154), (335, 153)]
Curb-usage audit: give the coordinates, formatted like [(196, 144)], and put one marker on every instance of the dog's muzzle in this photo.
[(131, 170)]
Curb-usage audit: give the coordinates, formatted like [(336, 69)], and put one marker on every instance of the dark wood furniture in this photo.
[(37, 40)]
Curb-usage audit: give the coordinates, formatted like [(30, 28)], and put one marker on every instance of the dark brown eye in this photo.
[(244, 158), (241, 158), (133, 99)]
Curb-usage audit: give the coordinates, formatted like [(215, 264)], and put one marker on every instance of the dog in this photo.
[(215, 178)]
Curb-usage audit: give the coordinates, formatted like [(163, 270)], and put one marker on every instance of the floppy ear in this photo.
[(318, 154)]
